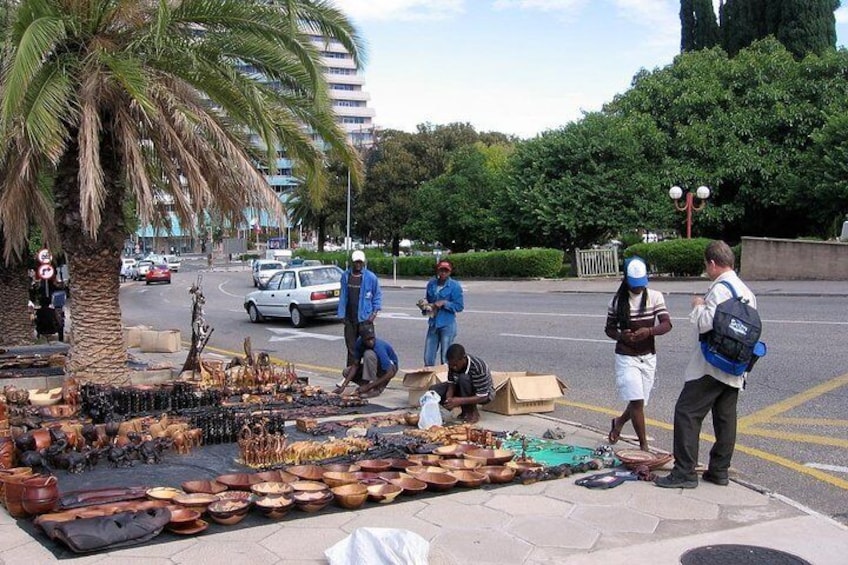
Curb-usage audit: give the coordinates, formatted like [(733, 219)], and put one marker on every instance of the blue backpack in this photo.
[(733, 344)]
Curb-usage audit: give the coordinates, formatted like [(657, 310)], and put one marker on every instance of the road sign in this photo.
[(45, 272), (44, 256)]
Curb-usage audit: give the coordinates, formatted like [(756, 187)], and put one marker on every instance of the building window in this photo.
[(353, 120), (349, 103), (337, 86)]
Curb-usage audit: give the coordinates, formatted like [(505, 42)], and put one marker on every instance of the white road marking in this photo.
[(528, 336), (825, 467), (400, 316), (222, 291), (290, 335)]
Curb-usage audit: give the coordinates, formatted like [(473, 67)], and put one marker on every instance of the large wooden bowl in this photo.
[(497, 474), (204, 487), (341, 468), (410, 485), (276, 477), (424, 458), (490, 456), (437, 481), (228, 512), (274, 507), (308, 486), (384, 493), (375, 465), (454, 449), (337, 479), (460, 464), (271, 488), (239, 481), (418, 469), (198, 501), (312, 501), (350, 496), (469, 479), (307, 472)]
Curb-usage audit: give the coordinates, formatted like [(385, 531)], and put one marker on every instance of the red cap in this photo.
[(444, 265)]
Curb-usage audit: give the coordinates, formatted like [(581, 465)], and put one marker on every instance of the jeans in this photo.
[(438, 339)]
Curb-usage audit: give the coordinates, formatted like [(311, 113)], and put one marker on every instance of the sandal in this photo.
[(614, 433)]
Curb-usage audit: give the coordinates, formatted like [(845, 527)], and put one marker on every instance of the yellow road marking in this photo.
[(809, 422), (798, 438), (778, 408)]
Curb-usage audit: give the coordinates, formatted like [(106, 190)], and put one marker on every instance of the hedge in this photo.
[(682, 257), (517, 263)]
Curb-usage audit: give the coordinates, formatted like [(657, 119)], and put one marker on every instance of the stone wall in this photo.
[(766, 258)]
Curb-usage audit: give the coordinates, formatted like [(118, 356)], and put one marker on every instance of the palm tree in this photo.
[(133, 99)]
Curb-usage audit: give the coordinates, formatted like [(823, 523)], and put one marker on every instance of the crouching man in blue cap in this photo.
[(375, 364)]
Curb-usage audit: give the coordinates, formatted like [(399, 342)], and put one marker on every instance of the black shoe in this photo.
[(673, 481), (715, 479)]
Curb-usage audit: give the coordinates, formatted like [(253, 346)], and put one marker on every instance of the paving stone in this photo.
[(671, 504), (618, 520), (12, 536), (34, 552), (731, 495), (303, 544), (756, 514), (318, 520), (452, 514), (543, 531), (520, 505), (113, 559), (481, 547), (254, 534), (159, 549), (225, 553), (472, 496), (374, 520), (567, 491)]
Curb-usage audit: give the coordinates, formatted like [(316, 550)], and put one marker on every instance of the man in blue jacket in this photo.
[(443, 299), (375, 364), (360, 300)]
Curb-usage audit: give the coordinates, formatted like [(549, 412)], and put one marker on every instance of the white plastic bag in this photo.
[(379, 546), (430, 414)]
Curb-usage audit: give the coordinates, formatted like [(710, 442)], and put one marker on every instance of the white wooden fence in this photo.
[(597, 262)]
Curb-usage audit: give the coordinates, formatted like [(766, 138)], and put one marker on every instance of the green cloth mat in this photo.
[(550, 453)]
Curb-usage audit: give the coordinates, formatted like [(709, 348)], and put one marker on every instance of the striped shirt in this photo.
[(480, 376), (654, 308)]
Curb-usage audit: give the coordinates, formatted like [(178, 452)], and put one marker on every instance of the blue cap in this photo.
[(636, 272)]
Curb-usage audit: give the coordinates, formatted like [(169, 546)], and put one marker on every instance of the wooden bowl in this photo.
[(274, 507), (312, 501), (367, 478), (490, 456), (308, 486), (411, 418), (228, 512), (418, 469), (341, 468), (336, 479), (350, 496), (375, 465), (402, 464), (460, 464), (205, 487), (410, 485), (183, 515), (239, 481), (163, 493), (469, 479), (454, 449), (236, 495), (384, 493), (424, 458), (276, 477), (437, 481), (497, 473), (520, 466), (307, 472), (271, 489), (389, 476), (198, 501)]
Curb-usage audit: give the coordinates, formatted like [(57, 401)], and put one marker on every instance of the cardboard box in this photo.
[(132, 335), (164, 341), (419, 380), (524, 393)]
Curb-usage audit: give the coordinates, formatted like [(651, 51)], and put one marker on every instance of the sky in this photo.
[(515, 66)]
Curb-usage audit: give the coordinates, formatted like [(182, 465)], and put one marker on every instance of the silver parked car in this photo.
[(263, 269), (298, 293)]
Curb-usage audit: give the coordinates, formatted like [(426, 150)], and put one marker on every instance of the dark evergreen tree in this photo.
[(699, 28)]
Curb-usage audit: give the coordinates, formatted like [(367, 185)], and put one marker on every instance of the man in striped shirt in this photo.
[(469, 384)]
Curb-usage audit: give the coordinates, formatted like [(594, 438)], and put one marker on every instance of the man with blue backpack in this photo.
[(728, 332)]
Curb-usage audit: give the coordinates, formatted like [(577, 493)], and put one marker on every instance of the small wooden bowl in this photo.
[(239, 481), (350, 496), (389, 476), (437, 481), (418, 469), (204, 487), (497, 474), (271, 489), (490, 456), (276, 477), (183, 515), (411, 418), (375, 465), (198, 501), (163, 493), (274, 507), (342, 468), (336, 479), (410, 485), (307, 472), (469, 479), (236, 495), (384, 493), (228, 512), (367, 478), (424, 458), (520, 466), (402, 464), (460, 464), (454, 449), (312, 501), (308, 486)]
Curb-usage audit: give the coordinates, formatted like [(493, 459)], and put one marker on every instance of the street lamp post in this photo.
[(694, 201)]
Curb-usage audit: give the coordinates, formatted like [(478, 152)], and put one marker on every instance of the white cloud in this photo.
[(400, 10), (842, 15), (541, 5)]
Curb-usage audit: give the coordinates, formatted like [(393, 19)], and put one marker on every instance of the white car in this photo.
[(141, 269), (128, 268), (263, 269), (298, 293), (173, 262)]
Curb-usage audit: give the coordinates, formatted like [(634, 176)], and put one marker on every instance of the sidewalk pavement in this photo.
[(549, 522)]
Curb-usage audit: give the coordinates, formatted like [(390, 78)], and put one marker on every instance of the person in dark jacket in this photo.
[(360, 300)]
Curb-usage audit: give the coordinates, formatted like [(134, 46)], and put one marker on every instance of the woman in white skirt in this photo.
[(636, 314)]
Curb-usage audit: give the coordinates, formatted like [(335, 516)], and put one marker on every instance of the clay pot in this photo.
[(13, 493), (40, 494), (10, 474)]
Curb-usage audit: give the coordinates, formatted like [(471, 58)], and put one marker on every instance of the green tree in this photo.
[(323, 209), (698, 24), (128, 99)]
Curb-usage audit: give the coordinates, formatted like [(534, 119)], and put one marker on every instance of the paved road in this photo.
[(792, 428)]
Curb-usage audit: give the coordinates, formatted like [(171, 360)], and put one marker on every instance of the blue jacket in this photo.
[(451, 293), (370, 295)]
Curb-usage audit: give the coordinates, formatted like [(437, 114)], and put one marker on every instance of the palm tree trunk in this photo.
[(14, 296), (98, 353)]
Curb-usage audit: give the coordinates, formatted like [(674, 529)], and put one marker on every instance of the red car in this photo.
[(158, 273)]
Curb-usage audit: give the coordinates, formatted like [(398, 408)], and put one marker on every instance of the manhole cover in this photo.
[(739, 555)]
